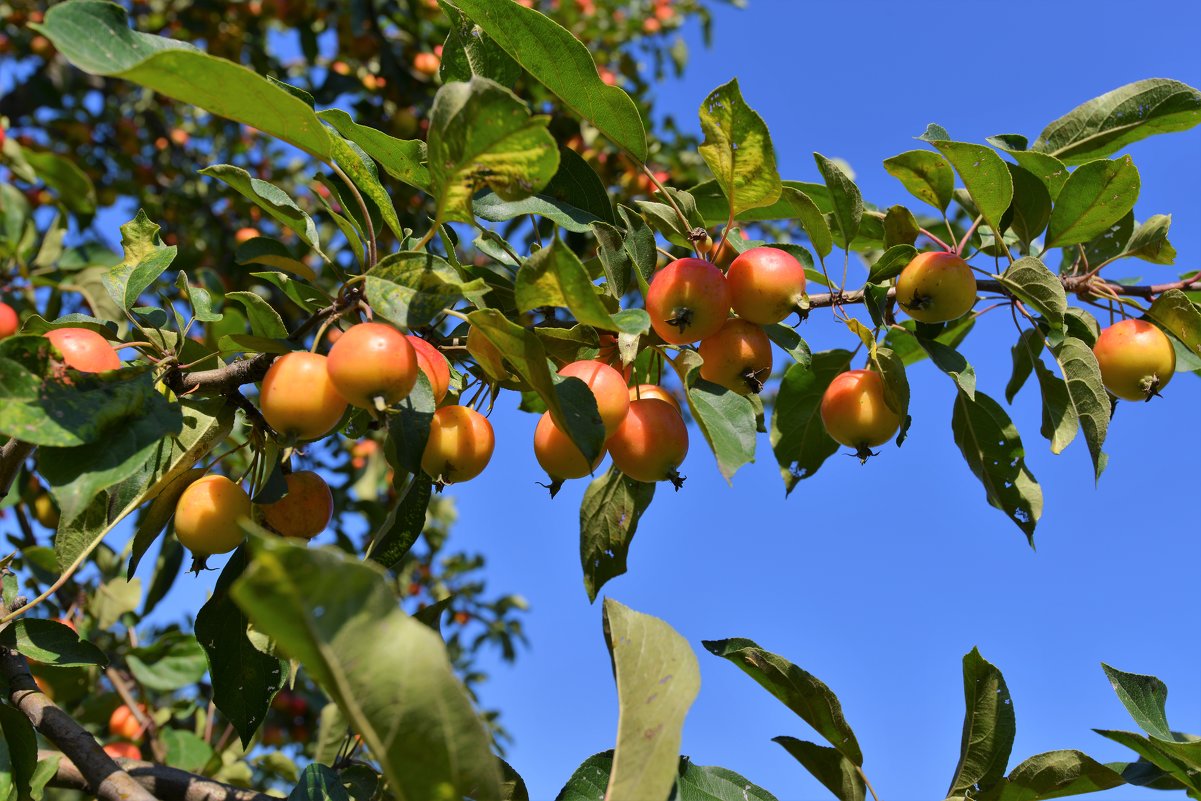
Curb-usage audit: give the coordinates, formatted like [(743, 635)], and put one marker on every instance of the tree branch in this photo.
[(97, 770), (168, 784), (12, 455)]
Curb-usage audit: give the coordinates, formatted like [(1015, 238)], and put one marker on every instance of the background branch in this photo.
[(97, 770), (167, 784)]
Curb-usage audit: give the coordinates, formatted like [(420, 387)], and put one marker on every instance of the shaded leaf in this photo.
[(988, 727), (609, 515), (836, 773)]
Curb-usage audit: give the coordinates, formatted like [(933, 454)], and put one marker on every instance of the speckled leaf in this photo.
[(1095, 197), (738, 150), (609, 515)]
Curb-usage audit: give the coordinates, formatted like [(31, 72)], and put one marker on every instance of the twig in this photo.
[(12, 455), (97, 770)]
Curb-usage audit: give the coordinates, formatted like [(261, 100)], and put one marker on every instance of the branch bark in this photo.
[(168, 784), (97, 770), (12, 455)]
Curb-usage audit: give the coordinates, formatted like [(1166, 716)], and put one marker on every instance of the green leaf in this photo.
[(166, 571), (469, 51), (174, 661), (51, 643), (404, 523), (555, 276), (590, 780), (207, 421), (988, 726), (1106, 124), (270, 198), (891, 262), (896, 385), (185, 750), (154, 518), (403, 159), (951, 362), (1150, 241), (266, 251), (609, 514), (726, 418), (18, 754), (848, 202), (992, 448), (77, 475), (409, 427), (657, 680), (985, 176), (1048, 169), (411, 288), (95, 37), (265, 321), (575, 198), (1181, 761), (1179, 316), (570, 402), (1025, 353), (69, 182), (836, 773), (1089, 402), (1029, 280), (388, 673), (146, 258), (319, 783), (1054, 774), (927, 176), (900, 227), (563, 65), (481, 134), (738, 150), (1095, 197), (798, 438), (1145, 698), (244, 678), (362, 172), (1030, 211), (711, 783), (802, 692)]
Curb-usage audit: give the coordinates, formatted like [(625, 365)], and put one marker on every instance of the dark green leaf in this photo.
[(848, 202), (51, 643), (711, 783), (404, 523), (985, 176), (469, 51), (1048, 169), (409, 427), (1145, 698), (836, 773), (993, 450), (1031, 208), (18, 753), (411, 288), (798, 438), (590, 779), (891, 262), (555, 276), (1096, 196), (244, 678), (609, 515), (1106, 124), (1089, 402), (801, 692), (563, 65), (271, 199), (900, 227), (388, 673), (1025, 352), (988, 726), (951, 362), (173, 661), (1054, 774), (575, 198), (1177, 315), (319, 783), (1032, 283)]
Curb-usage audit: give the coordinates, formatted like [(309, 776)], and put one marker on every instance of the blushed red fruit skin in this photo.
[(123, 723), (305, 511), (207, 515), (607, 385), (693, 288), (123, 751), (1129, 351), (654, 391), (557, 454), (854, 412), (9, 322), (84, 350), (298, 398), (766, 284), (460, 445), (944, 280), (738, 348), (435, 366), (651, 442), (372, 360)]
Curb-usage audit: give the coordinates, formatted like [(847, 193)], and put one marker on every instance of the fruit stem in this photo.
[(370, 244), (962, 246), (936, 240)]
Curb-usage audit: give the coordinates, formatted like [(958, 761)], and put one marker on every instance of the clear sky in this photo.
[(879, 578)]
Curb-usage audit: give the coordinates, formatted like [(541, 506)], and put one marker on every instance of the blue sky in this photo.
[(879, 578)]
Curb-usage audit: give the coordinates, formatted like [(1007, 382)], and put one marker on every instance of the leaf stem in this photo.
[(672, 201), (936, 240), (963, 243)]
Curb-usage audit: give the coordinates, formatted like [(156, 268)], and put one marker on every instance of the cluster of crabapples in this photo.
[(373, 366)]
